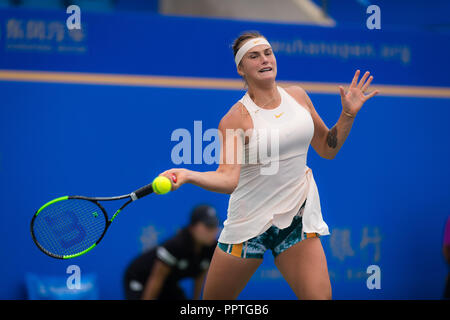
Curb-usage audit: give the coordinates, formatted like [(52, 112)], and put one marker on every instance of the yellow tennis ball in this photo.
[(161, 185)]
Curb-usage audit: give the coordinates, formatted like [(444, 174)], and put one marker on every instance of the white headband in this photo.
[(247, 46)]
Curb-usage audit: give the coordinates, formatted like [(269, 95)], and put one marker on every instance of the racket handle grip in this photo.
[(142, 192)]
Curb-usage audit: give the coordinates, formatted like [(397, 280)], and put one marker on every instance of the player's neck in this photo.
[(267, 96)]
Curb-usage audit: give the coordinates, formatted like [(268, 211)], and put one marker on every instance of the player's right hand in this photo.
[(178, 177)]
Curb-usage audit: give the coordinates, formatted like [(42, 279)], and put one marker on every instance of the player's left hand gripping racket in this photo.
[(70, 226)]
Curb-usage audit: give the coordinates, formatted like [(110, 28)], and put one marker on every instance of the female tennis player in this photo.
[(281, 210)]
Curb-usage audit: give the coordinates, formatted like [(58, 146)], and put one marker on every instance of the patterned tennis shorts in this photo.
[(275, 239)]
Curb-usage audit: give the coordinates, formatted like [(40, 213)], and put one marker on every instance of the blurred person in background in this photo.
[(446, 252), (156, 273)]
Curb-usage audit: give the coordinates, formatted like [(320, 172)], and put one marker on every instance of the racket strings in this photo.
[(69, 227)]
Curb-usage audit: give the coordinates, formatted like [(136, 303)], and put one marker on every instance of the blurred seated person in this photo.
[(156, 273), (446, 253)]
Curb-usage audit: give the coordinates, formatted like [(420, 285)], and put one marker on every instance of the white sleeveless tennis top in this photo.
[(272, 188)]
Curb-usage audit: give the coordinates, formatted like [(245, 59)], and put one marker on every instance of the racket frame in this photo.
[(132, 197)]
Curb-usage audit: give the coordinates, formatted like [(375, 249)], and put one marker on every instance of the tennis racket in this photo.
[(70, 226)]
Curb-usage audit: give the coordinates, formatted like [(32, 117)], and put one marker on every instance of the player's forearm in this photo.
[(215, 181), (337, 135)]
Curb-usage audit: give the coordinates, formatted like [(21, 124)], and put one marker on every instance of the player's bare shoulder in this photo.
[(236, 117), (299, 94)]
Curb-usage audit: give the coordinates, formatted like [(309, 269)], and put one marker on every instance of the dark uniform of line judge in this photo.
[(156, 273)]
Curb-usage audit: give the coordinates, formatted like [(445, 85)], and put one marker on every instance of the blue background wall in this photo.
[(384, 196)]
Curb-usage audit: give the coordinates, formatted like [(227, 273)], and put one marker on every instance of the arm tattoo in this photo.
[(332, 137)]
